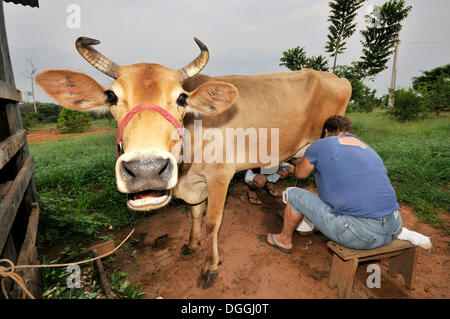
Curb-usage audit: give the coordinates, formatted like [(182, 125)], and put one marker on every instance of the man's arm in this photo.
[(303, 167)]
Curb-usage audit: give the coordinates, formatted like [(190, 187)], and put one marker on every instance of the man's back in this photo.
[(351, 177)]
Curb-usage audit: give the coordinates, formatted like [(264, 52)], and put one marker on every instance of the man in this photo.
[(356, 205), (260, 178)]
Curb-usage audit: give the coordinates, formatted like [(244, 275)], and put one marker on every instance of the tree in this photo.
[(343, 13), (436, 96), (434, 87), (408, 106), (378, 42), (363, 98), (70, 121), (295, 59), (318, 63), (428, 78), (29, 74)]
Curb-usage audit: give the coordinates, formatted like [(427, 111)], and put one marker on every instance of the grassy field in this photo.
[(417, 157), (78, 195)]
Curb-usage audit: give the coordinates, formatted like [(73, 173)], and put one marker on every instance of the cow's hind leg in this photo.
[(217, 192), (194, 238)]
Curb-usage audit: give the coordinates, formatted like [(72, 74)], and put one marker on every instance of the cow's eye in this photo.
[(111, 97), (181, 101)]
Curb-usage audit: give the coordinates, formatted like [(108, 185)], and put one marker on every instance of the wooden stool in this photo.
[(402, 254)]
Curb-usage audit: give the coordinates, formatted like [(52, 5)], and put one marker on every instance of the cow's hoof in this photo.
[(209, 278), (186, 250)]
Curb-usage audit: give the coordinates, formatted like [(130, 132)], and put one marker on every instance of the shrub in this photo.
[(46, 113), (436, 96), (31, 119), (49, 111), (408, 106), (73, 121)]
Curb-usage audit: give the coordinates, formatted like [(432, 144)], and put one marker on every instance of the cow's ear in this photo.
[(213, 97), (72, 89)]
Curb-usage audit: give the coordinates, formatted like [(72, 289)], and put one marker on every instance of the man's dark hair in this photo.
[(336, 124)]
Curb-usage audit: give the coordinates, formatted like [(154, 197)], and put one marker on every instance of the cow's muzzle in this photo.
[(147, 177)]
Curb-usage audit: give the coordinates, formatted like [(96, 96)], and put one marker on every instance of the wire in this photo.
[(427, 42)]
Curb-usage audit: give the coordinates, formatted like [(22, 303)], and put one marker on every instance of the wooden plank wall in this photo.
[(19, 210)]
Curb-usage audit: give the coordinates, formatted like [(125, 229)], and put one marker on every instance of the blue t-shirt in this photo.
[(351, 179)]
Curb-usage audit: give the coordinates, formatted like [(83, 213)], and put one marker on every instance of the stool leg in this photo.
[(342, 275), (405, 264)]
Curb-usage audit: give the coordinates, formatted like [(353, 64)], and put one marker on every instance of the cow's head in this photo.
[(147, 168)]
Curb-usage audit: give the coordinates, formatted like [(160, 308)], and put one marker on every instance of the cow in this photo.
[(150, 102)]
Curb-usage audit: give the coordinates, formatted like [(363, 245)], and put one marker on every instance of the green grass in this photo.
[(76, 188), (78, 196), (417, 157)]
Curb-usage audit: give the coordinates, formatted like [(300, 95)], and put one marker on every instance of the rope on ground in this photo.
[(9, 272)]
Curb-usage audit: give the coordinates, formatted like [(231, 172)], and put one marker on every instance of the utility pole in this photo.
[(394, 76)]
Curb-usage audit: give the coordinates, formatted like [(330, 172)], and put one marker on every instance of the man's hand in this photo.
[(296, 161), (303, 167), (286, 172)]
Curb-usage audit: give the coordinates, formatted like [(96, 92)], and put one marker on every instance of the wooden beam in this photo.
[(10, 146), (11, 202), (9, 92), (28, 255), (9, 252)]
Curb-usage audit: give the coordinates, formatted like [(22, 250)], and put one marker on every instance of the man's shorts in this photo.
[(349, 231)]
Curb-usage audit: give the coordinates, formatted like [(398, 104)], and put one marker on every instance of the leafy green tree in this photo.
[(407, 106), (318, 63), (434, 87), (342, 25), (436, 95), (73, 121), (295, 59), (379, 42), (428, 78), (363, 98)]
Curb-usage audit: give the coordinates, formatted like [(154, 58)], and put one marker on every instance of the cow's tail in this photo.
[(415, 238)]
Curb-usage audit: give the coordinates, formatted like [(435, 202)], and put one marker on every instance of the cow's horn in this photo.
[(98, 60), (197, 65)]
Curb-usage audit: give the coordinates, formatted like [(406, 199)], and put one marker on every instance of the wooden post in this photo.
[(18, 224)]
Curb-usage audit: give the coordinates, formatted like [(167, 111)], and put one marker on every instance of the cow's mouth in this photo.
[(149, 199)]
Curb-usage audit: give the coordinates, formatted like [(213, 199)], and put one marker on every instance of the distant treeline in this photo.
[(49, 113)]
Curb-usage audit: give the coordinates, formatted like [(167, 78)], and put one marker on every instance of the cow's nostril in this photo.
[(164, 167), (127, 169), (129, 172), (146, 173)]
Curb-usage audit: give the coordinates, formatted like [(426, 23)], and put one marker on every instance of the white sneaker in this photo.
[(415, 238)]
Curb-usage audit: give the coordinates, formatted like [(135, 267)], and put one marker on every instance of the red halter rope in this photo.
[(169, 117)]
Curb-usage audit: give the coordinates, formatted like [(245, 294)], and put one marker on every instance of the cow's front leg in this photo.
[(217, 193), (194, 238)]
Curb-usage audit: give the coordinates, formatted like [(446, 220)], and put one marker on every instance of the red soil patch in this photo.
[(51, 133), (252, 269)]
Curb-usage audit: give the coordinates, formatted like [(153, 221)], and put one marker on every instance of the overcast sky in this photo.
[(243, 36)]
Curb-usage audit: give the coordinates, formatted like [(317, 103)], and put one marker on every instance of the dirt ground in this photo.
[(51, 133), (252, 269)]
